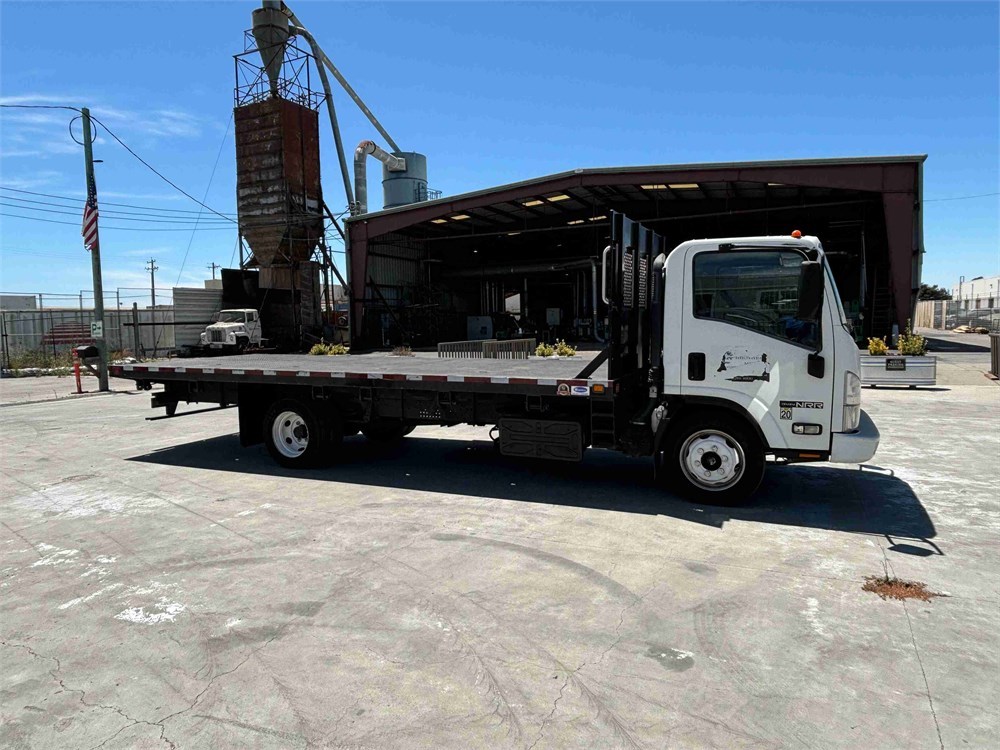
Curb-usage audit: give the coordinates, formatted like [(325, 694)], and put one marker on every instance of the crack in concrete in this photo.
[(621, 618), (214, 678), (20, 536), (159, 723), (555, 705), (887, 565), (923, 673), (82, 696)]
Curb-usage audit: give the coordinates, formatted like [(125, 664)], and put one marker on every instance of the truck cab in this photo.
[(751, 356), (235, 330)]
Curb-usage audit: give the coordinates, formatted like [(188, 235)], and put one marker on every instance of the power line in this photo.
[(115, 214), (126, 229), (235, 248), (110, 212), (153, 169), (39, 106), (225, 137), (103, 203), (960, 197)]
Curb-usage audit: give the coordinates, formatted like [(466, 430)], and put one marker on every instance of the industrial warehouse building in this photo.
[(451, 268)]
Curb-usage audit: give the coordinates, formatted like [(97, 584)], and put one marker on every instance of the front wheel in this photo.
[(296, 438), (717, 460)]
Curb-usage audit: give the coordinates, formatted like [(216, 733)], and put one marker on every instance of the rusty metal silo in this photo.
[(279, 196)]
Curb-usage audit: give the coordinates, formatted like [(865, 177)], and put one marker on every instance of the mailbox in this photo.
[(88, 354)]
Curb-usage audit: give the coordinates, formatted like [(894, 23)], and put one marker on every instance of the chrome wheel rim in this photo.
[(712, 460), (290, 434)]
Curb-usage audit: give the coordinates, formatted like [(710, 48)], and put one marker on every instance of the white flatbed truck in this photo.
[(721, 353)]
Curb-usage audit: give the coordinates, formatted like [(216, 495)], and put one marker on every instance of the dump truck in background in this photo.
[(721, 353)]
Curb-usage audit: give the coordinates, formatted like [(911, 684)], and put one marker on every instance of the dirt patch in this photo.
[(895, 588)]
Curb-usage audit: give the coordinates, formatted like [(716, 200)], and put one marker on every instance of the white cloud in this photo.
[(49, 99), (42, 178), (42, 133)]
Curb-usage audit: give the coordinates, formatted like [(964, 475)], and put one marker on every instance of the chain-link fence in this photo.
[(946, 315)]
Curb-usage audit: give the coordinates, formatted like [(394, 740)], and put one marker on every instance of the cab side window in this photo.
[(753, 289)]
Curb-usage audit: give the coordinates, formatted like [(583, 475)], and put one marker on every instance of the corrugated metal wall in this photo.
[(395, 261), (31, 330), (196, 308)]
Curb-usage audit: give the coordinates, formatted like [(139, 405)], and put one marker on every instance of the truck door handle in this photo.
[(604, 276), (696, 365)]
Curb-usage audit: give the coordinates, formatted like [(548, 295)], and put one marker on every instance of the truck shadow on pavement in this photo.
[(816, 496)]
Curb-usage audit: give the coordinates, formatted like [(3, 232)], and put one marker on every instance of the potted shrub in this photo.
[(910, 365)]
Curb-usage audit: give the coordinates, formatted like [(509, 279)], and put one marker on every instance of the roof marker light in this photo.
[(460, 217), (533, 202), (557, 198), (796, 234), (439, 221)]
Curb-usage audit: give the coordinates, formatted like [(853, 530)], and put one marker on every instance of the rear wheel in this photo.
[(387, 431), (296, 438), (717, 460)]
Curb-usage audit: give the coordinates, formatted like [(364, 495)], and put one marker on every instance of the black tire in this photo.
[(710, 444), (297, 438), (387, 431), (242, 344)]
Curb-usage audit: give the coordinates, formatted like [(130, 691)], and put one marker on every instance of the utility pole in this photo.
[(213, 266), (152, 268), (95, 257)]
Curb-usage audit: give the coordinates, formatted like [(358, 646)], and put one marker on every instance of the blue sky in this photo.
[(492, 93)]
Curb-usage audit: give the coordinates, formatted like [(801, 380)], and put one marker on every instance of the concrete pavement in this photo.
[(162, 587)]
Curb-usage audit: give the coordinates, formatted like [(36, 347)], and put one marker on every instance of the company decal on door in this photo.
[(745, 366)]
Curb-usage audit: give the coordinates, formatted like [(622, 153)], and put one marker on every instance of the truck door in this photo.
[(742, 342), (253, 327)]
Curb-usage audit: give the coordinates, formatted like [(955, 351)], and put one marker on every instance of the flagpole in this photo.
[(95, 261)]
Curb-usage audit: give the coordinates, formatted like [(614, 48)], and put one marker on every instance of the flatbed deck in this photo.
[(306, 369)]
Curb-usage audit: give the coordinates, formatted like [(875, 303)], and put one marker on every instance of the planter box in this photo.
[(896, 369)]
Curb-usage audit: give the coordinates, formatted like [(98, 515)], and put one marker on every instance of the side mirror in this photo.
[(811, 284)]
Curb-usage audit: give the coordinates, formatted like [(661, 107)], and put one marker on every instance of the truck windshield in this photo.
[(232, 316)]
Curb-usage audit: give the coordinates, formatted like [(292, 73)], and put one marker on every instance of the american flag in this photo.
[(89, 230)]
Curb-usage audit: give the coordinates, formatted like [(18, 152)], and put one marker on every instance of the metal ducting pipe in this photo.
[(330, 108), (324, 60), (365, 149), (593, 292)]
